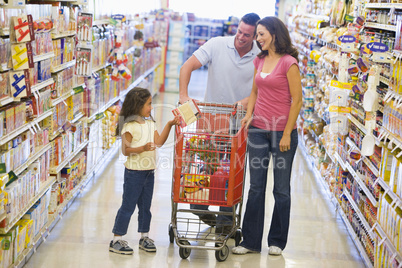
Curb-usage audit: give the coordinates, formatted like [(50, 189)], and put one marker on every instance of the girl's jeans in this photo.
[(263, 144), (137, 190)]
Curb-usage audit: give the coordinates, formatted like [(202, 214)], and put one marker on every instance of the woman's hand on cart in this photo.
[(246, 120)]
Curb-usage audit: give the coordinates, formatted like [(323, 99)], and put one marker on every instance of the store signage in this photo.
[(347, 39), (365, 50), (377, 47)]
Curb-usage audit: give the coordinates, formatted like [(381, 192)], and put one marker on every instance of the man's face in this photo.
[(244, 36)]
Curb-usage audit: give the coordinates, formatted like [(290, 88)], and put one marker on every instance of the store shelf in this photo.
[(103, 108), (139, 80), (356, 240), (359, 213), (56, 133), (4, 31), (27, 207), (61, 35), (100, 22), (340, 161), (380, 26), (44, 56), (318, 17), (53, 219), (77, 117), (349, 227), (100, 67), (384, 80), (395, 198), (317, 175), (55, 170), (62, 66), (32, 159), (3, 216), (61, 98), (362, 184), (25, 127), (332, 157), (42, 85), (5, 101), (397, 53), (388, 242), (4, 68), (395, 139), (365, 160), (383, 5), (362, 128)]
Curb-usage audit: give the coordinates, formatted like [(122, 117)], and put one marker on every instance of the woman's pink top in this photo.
[(272, 107)]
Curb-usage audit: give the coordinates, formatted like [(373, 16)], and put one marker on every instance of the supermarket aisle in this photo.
[(317, 237)]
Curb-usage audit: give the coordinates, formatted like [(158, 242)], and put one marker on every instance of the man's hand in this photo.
[(183, 99)]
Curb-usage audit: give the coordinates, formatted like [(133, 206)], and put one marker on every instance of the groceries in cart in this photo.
[(205, 170), (209, 168)]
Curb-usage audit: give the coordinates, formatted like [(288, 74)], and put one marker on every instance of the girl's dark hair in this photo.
[(132, 105), (280, 37)]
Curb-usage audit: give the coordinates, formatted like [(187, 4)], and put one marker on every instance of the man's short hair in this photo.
[(250, 19)]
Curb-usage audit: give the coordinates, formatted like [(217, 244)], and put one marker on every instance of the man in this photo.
[(230, 79), (230, 65)]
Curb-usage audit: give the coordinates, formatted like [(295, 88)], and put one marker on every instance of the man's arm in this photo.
[(185, 74)]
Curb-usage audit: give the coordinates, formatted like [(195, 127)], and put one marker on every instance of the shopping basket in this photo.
[(209, 169)]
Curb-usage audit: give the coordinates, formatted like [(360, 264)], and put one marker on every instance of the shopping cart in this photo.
[(209, 169)]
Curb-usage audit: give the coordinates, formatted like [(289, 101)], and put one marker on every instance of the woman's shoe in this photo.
[(239, 250), (273, 250)]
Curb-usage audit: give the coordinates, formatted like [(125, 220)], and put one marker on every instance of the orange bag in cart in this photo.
[(218, 186)]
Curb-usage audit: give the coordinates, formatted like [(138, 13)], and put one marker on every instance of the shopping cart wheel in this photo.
[(222, 255), (171, 234), (184, 252), (237, 237)]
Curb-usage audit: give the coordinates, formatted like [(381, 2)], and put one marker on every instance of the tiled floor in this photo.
[(317, 237)]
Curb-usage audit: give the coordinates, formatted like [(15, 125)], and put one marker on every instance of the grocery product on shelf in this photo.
[(350, 63), (57, 127)]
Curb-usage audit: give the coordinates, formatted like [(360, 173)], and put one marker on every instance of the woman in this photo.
[(273, 107)]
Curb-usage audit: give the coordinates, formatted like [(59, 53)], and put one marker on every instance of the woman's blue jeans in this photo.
[(138, 189), (263, 144)]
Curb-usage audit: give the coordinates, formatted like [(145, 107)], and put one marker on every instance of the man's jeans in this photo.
[(138, 189), (263, 144)]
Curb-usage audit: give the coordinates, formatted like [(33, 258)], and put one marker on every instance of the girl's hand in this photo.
[(284, 144), (150, 146), (246, 121), (175, 121)]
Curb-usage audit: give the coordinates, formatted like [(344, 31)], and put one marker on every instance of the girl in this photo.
[(273, 107), (139, 140)]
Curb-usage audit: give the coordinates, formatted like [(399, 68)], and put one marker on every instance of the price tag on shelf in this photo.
[(3, 168), (12, 177), (78, 89), (99, 116)]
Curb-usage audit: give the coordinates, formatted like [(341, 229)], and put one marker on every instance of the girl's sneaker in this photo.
[(121, 247), (147, 244)]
